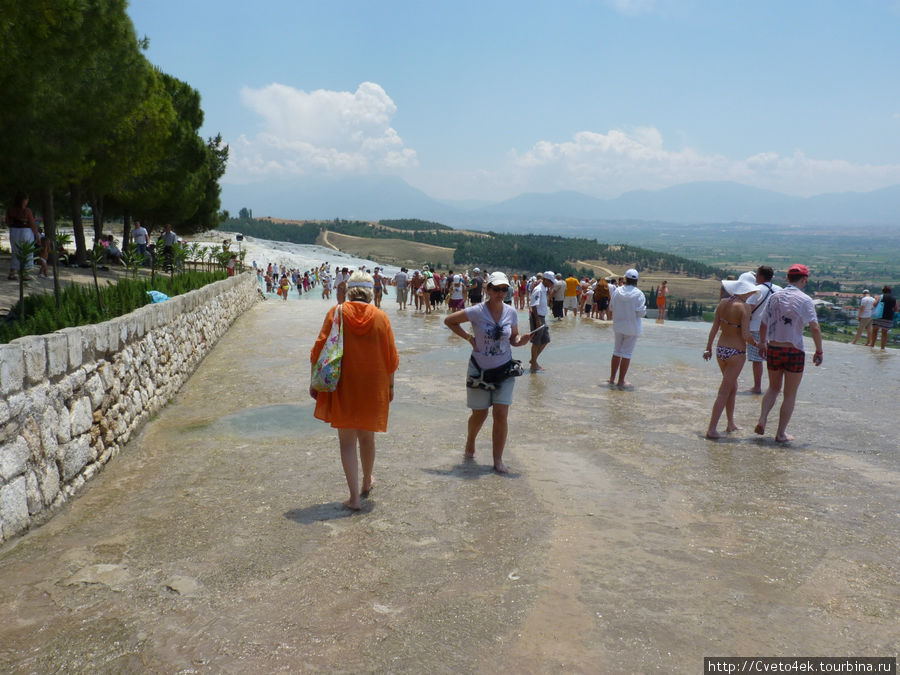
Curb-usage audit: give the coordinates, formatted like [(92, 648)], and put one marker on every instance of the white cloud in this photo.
[(608, 164), (319, 132)]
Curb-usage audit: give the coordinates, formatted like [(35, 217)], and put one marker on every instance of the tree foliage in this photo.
[(307, 233), (86, 117)]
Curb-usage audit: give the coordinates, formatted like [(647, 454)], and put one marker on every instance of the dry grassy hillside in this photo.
[(704, 291), (389, 251)]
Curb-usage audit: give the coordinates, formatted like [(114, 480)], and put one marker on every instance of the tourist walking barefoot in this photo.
[(628, 306), (781, 343), (359, 406), (764, 290), (733, 319), (886, 320), (537, 317), (864, 317), (494, 330)]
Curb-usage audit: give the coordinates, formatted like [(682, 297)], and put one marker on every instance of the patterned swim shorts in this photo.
[(789, 359)]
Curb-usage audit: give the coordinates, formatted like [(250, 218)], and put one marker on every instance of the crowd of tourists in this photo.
[(754, 319)]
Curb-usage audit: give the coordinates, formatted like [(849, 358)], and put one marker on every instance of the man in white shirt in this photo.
[(628, 306), (864, 316), (758, 302), (140, 237), (401, 280), (558, 295), (537, 317), (781, 343)]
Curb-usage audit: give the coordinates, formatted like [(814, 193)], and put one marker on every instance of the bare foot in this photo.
[(732, 427), (535, 368), (611, 383), (754, 391), (352, 504), (787, 438), (759, 429), (500, 467), (625, 385), (367, 487), (713, 435)]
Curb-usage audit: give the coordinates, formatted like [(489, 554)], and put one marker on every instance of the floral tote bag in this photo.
[(326, 371)]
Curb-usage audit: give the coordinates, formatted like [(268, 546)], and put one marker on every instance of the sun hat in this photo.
[(797, 268), (748, 276), (631, 273), (740, 286), (497, 279), (456, 278), (550, 275)]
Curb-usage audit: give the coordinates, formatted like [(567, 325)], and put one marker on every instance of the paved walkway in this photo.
[(622, 541)]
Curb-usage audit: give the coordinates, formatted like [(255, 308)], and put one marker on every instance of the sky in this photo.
[(489, 99)]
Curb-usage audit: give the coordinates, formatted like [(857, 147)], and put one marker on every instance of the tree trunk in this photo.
[(49, 213), (77, 224), (97, 208), (126, 230)]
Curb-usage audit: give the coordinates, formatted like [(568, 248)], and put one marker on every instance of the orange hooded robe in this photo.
[(362, 397)]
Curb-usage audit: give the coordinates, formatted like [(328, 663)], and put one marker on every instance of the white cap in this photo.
[(497, 279), (475, 270), (550, 275), (631, 273)]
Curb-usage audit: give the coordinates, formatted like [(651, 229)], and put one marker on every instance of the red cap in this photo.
[(798, 269)]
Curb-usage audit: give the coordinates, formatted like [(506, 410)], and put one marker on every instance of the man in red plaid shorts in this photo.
[(781, 344)]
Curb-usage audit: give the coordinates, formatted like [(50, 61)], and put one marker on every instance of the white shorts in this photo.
[(624, 346), (19, 235), (570, 302)]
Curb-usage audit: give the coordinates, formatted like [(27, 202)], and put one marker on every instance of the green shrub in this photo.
[(78, 303)]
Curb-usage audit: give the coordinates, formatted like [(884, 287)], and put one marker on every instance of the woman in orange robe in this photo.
[(359, 406)]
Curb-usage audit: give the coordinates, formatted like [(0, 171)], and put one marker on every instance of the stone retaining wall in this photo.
[(70, 400)]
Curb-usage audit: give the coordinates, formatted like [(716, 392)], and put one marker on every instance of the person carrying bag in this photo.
[(492, 372)]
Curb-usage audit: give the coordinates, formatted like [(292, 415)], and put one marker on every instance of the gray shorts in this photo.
[(535, 321), (482, 399), (753, 352), (401, 295)]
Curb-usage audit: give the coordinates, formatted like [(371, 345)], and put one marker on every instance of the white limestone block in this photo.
[(74, 456), (81, 416), (34, 350), (74, 346), (12, 368), (13, 507), (13, 458), (57, 354)]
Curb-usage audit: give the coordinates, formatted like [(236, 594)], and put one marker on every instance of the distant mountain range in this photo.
[(381, 197)]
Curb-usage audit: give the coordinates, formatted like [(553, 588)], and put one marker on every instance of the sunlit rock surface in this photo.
[(621, 542)]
